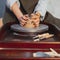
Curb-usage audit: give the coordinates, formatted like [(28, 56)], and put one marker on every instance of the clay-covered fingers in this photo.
[(23, 20), (26, 17), (36, 19), (33, 16), (37, 24), (37, 14)]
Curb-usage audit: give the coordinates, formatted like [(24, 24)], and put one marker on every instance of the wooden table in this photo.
[(14, 47)]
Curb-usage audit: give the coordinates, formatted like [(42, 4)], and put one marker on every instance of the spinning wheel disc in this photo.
[(18, 28)]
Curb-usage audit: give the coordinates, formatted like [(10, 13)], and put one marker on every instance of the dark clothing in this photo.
[(52, 20), (29, 5)]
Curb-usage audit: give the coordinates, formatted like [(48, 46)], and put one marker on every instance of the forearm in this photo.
[(41, 7), (15, 9)]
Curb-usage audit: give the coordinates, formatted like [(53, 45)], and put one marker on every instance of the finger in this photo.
[(23, 21), (36, 21), (36, 24), (37, 13), (26, 18), (32, 13), (34, 17), (22, 24), (26, 15)]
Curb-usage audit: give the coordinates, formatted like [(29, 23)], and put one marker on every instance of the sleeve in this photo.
[(41, 7), (11, 2), (2, 8)]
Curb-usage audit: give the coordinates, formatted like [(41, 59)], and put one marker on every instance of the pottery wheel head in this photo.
[(18, 28)]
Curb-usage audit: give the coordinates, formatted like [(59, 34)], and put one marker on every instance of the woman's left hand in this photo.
[(35, 17)]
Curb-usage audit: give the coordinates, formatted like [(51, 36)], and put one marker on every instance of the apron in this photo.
[(52, 20), (27, 6)]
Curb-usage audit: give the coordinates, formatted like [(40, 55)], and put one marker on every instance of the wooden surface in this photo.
[(24, 53)]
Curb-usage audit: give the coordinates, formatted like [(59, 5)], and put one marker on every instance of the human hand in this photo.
[(23, 20), (26, 22), (35, 17)]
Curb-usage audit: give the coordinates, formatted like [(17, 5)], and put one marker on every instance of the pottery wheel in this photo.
[(40, 29)]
